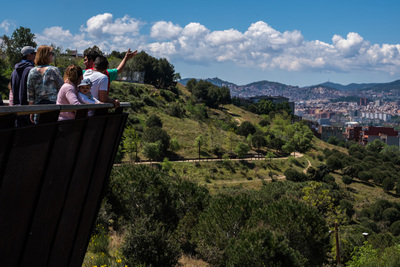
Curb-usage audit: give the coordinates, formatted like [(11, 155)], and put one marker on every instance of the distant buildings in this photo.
[(325, 132), (367, 134)]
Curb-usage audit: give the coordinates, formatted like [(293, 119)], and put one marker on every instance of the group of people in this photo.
[(35, 82)]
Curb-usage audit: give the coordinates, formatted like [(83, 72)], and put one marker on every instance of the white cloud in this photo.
[(350, 46), (260, 46), (7, 25), (102, 25), (230, 36), (165, 30)]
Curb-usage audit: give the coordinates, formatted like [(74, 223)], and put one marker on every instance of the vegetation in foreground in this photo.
[(160, 216)]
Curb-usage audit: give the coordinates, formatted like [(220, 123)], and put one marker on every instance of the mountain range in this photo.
[(260, 87)]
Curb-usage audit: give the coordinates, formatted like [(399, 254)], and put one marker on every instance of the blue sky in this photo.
[(292, 42)]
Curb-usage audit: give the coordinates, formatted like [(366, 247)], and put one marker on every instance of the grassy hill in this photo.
[(365, 205), (146, 100)]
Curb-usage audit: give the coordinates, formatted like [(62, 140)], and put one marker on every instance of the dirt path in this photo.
[(309, 165)]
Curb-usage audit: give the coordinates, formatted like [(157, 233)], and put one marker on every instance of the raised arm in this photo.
[(128, 56)]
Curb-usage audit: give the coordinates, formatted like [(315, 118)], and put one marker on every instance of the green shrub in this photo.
[(294, 175), (388, 184), (260, 247), (391, 215), (347, 179), (150, 243), (154, 121), (348, 207)]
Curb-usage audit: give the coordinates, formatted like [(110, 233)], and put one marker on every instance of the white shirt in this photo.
[(99, 82)]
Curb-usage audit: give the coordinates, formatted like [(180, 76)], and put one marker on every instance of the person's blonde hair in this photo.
[(73, 73), (43, 55)]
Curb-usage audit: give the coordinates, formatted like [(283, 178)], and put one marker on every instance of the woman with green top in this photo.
[(44, 81)]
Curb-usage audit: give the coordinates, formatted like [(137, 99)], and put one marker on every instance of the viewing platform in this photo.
[(52, 178)]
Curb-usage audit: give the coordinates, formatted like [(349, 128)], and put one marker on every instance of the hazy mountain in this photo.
[(365, 86), (327, 90), (349, 87), (386, 86)]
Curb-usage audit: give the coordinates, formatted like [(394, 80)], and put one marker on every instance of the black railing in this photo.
[(52, 177)]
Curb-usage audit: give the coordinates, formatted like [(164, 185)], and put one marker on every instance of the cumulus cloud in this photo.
[(260, 46), (103, 25), (7, 25), (165, 30)]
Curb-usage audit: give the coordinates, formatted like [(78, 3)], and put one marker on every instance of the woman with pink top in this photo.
[(68, 94)]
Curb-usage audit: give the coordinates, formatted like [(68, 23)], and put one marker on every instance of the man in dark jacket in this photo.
[(19, 78)]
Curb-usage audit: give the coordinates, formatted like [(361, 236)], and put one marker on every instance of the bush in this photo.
[(388, 184), (334, 163), (175, 110), (391, 215), (303, 227), (246, 128), (154, 121), (371, 225), (395, 228), (155, 134), (347, 180), (348, 207), (221, 221), (151, 244), (294, 175), (261, 246), (365, 176), (378, 207)]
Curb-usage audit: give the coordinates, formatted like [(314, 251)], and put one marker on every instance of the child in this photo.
[(84, 95)]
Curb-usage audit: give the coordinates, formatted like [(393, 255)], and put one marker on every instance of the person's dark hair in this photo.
[(101, 63), (92, 55), (25, 57)]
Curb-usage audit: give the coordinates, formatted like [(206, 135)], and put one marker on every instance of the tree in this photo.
[(131, 141), (258, 141), (174, 144), (265, 106), (246, 128), (231, 138), (199, 142), (294, 175), (116, 54), (242, 149), (152, 150), (270, 155), (347, 206), (166, 165), (21, 37), (375, 146), (333, 140), (365, 176), (334, 163), (154, 121), (155, 134), (388, 184), (347, 180), (318, 197), (158, 72)]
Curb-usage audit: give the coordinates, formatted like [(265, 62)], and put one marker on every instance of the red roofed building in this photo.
[(386, 134), (367, 134)]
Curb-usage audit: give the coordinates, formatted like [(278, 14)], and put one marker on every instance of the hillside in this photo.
[(237, 212), (147, 100), (349, 87)]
